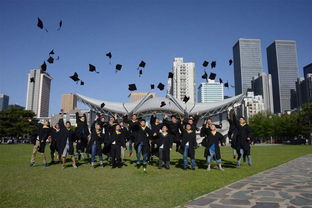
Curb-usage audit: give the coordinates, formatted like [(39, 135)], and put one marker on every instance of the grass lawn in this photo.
[(22, 186)]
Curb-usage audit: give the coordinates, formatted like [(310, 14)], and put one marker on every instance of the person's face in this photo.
[(68, 125), (46, 123), (241, 120), (174, 119), (164, 129), (121, 124), (57, 126), (134, 117), (143, 123), (82, 118), (213, 127), (103, 119), (118, 127), (97, 127), (157, 120), (111, 119), (190, 121), (188, 127), (209, 122)]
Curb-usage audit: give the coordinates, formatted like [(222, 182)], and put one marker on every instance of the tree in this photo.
[(14, 122), (305, 121)]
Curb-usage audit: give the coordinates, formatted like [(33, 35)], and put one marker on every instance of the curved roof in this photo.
[(149, 104)]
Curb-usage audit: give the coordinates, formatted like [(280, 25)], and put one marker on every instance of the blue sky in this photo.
[(150, 30)]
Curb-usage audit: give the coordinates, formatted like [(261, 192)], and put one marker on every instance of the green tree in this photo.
[(305, 121)]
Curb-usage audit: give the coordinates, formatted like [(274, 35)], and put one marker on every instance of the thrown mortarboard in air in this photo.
[(230, 62), (75, 77), (205, 64), (102, 105), (132, 87), (142, 64), (161, 86), (226, 84), (118, 67), (140, 72), (32, 79), (213, 64), (109, 55), (162, 104), (186, 99), (81, 82), (40, 24), (220, 80), (51, 52), (92, 68), (170, 75), (212, 76), (57, 58), (50, 60), (60, 25), (205, 75), (43, 66), (152, 86)]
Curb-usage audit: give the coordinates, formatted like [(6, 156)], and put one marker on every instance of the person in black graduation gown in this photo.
[(141, 143), (189, 144), (211, 142), (82, 133), (43, 132), (109, 128), (232, 130), (193, 120), (243, 141), (125, 131), (164, 142), (95, 144), (66, 142), (134, 126), (117, 139), (54, 143), (155, 127), (175, 128), (206, 127)]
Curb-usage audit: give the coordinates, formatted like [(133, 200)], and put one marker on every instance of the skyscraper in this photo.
[(282, 64), (247, 63), (210, 91), (69, 102), (307, 70), (183, 82), (262, 85), (4, 102), (38, 92)]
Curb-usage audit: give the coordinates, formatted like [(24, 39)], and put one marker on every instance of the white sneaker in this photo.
[(74, 166), (208, 169), (221, 169)]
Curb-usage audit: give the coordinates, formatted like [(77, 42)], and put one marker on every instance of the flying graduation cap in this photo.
[(43, 66), (50, 60), (142, 64), (118, 67), (60, 25), (162, 104), (32, 79), (140, 72), (75, 77), (132, 87), (205, 64), (213, 64), (51, 52), (205, 76), (102, 105), (109, 55), (226, 84), (81, 82), (92, 68), (220, 80), (230, 62), (212, 76), (40, 25), (152, 86), (170, 75), (161, 86), (186, 99)]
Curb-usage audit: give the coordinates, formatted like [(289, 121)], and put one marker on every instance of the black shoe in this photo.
[(193, 168), (167, 167)]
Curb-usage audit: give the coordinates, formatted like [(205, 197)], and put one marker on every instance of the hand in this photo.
[(166, 116), (248, 139), (170, 149), (79, 141), (154, 134)]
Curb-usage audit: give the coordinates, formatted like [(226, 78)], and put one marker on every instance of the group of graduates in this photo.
[(109, 137)]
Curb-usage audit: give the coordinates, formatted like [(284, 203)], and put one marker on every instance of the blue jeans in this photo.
[(93, 151), (210, 157), (130, 145), (241, 151), (143, 154), (185, 154)]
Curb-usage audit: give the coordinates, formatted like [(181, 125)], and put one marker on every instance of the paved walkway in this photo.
[(288, 185)]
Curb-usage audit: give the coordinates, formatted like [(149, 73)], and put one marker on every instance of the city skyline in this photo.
[(138, 31)]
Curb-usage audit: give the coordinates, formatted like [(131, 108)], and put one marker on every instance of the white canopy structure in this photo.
[(149, 104)]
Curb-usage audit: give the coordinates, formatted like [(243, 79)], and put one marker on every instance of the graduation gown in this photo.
[(43, 132), (97, 139), (211, 139), (143, 136), (191, 139), (174, 129), (63, 136), (166, 143), (243, 132), (82, 132), (134, 126)]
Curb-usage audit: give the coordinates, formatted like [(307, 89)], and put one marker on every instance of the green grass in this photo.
[(22, 186)]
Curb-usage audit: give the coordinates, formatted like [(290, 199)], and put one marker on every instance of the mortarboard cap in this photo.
[(75, 77), (170, 75), (32, 79), (205, 64), (142, 64), (92, 68), (81, 82), (50, 60), (118, 67), (132, 87), (205, 75), (102, 105), (230, 62), (109, 55), (43, 66), (152, 86), (140, 72), (52, 52), (226, 84), (162, 104), (40, 24), (212, 76), (161, 86), (220, 80), (60, 24), (186, 99), (213, 64)]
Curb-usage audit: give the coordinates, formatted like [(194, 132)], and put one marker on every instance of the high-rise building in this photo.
[(135, 96), (38, 92), (247, 63), (307, 70), (304, 89), (69, 102), (4, 102), (183, 82), (262, 85), (282, 64), (210, 91), (252, 104)]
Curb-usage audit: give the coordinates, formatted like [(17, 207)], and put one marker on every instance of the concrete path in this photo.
[(288, 185)]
